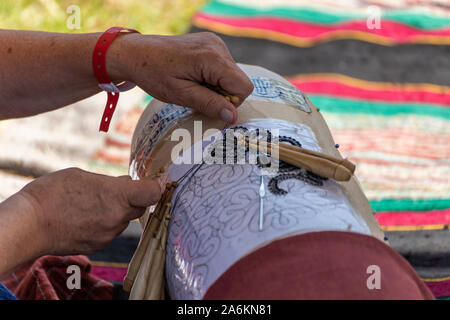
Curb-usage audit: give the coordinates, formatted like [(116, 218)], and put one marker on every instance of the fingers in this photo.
[(226, 75), (220, 70), (234, 81), (217, 67), (208, 102), (142, 193)]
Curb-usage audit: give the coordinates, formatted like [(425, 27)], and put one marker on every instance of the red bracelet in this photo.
[(99, 65)]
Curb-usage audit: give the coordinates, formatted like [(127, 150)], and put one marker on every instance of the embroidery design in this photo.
[(277, 91), (285, 170)]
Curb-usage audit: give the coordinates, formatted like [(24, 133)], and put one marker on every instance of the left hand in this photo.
[(79, 212)]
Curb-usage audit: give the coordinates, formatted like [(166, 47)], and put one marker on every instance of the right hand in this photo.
[(79, 212), (174, 69)]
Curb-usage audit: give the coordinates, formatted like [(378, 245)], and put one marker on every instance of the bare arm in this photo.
[(42, 71), (20, 237)]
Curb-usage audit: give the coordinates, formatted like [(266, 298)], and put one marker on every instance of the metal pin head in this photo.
[(262, 193), (262, 190)]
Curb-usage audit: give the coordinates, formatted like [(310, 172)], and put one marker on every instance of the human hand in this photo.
[(173, 69), (79, 212)]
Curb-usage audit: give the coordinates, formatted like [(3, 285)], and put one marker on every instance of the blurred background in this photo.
[(378, 69)]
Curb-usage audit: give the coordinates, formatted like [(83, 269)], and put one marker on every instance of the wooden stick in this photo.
[(163, 227), (345, 162), (142, 267), (148, 233), (165, 233), (143, 281), (156, 279), (136, 260), (162, 209), (163, 293), (322, 167), (139, 286), (148, 267)]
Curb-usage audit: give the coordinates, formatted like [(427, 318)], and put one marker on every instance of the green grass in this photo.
[(147, 16)]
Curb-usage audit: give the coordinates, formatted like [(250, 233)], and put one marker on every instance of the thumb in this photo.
[(144, 192), (208, 102)]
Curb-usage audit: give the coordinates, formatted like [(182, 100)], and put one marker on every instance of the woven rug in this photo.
[(306, 23)]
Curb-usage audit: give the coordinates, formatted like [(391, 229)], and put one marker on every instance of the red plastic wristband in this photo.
[(99, 66)]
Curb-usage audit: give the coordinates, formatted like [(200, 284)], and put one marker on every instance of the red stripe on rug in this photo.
[(439, 289), (115, 274), (392, 30), (413, 218), (330, 87)]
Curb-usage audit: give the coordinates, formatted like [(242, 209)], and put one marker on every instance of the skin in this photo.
[(77, 212)]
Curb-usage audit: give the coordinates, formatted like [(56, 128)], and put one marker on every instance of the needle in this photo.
[(262, 193)]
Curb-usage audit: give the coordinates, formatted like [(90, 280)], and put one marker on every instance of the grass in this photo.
[(148, 16)]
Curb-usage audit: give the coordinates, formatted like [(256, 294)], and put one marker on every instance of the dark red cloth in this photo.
[(46, 279), (320, 265)]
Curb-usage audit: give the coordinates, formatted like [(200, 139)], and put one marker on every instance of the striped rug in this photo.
[(399, 136), (306, 23)]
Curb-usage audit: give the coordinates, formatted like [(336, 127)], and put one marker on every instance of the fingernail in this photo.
[(226, 115)]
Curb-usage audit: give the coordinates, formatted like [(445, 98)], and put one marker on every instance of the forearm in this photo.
[(20, 236), (42, 71)]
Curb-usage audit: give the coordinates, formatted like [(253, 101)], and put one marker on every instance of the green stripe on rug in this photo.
[(409, 204), (343, 105), (409, 17)]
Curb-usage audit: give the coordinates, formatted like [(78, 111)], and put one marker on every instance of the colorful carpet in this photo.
[(306, 23), (399, 136), (388, 107)]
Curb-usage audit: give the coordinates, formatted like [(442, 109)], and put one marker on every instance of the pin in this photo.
[(262, 193)]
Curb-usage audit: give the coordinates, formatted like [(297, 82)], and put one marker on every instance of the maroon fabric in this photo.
[(46, 279), (320, 265)]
